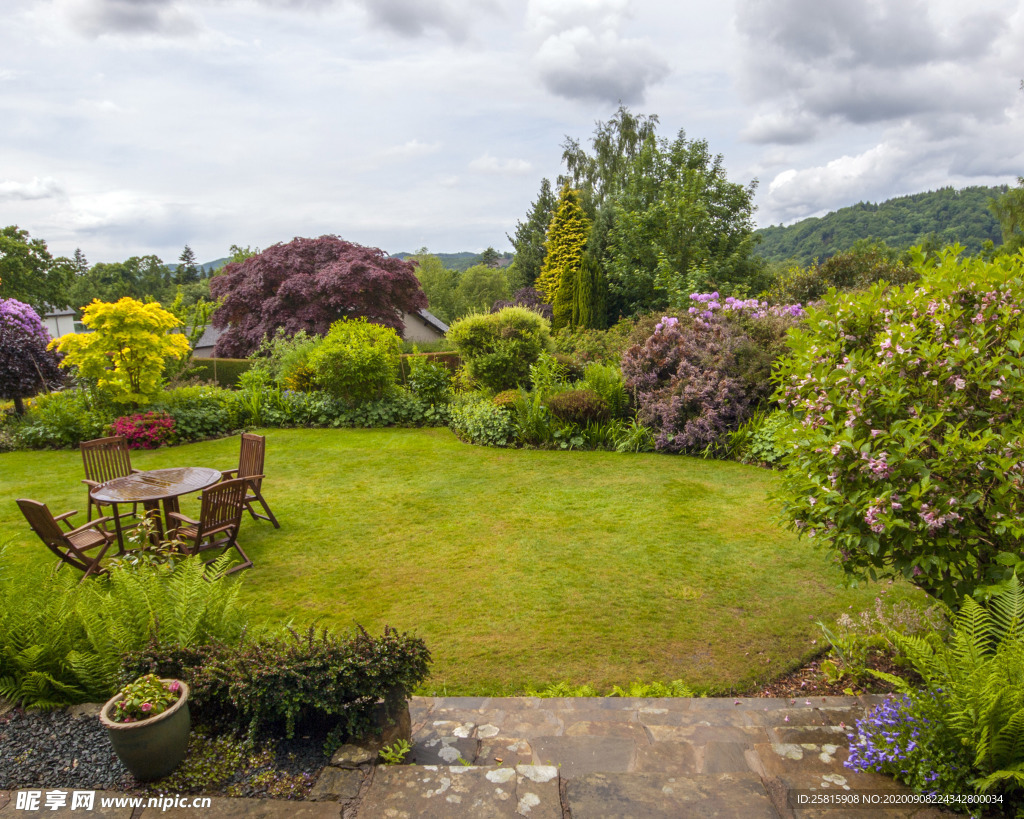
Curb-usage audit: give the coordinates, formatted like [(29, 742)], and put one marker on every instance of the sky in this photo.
[(130, 127)]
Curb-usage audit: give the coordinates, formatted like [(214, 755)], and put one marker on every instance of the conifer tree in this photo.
[(590, 302), (566, 238)]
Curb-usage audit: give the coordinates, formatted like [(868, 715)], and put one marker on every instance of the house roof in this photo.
[(433, 320)]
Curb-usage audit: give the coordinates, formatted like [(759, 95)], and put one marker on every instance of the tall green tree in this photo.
[(566, 238), (590, 303), (30, 274), (679, 226), (138, 277), (479, 288), (187, 271), (490, 257), (529, 238)]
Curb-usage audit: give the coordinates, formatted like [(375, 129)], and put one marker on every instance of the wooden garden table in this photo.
[(153, 488)]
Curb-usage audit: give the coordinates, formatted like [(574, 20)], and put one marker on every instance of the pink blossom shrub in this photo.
[(145, 431), (909, 457)]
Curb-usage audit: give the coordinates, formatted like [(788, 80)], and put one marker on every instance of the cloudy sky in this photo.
[(137, 126)]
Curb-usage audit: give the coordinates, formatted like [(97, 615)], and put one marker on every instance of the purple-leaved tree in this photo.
[(26, 366), (307, 284)]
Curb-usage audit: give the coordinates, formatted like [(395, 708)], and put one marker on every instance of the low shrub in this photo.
[(606, 381), (506, 399), (318, 409), (225, 372), (286, 359), (448, 358), (200, 412), (149, 430), (430, 380), (62, 420), (477, 421), (571, 368), (579, 407), (498, 349), (275, 683), (760, 439), (357, 360), (601, 346)]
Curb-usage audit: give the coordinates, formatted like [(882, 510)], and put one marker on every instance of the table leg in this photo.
[(151, 510), (170, 505), (118, 530)]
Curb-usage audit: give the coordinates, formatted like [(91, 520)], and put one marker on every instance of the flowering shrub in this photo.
[(910, 457), (700, 376), (147, 697), (147, 431), (26, 366), (707, 304)]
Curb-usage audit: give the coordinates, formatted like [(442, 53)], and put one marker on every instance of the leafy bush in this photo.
[(200, 412), (761, 438), (286, 359), (498, 349), (578, 407), (400, 409), (972, 708), (910, 456), (601, 346), (448, 358), (357, 361), (64, 419), (606, 381), (635, 438), (61, 642), (477, 421), (534, 424), (572, 369), (149, 430), (225, 372), (276, 682), (429, 380), (529, 298)]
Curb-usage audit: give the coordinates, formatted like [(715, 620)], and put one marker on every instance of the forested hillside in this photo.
[(940, 217)]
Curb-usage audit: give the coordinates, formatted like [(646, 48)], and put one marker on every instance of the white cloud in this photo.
[(582, 54), (38, 188), (164, 18), (490, 164)]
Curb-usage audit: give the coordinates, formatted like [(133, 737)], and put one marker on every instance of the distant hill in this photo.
[(944, 216), (460, 261)]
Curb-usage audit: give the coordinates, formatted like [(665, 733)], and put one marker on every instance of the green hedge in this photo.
[(451, 360), (224, 371)]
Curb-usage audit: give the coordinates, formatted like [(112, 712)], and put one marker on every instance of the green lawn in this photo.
[(517, 567)]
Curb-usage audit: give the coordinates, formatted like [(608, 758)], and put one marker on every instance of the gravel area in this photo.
[(60, 749)]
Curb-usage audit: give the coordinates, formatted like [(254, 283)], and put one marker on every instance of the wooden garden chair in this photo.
[(105, 459), (220, 517), (82, 548), (250, 465)]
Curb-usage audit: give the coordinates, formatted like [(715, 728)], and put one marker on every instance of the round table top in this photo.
[(157, 484)]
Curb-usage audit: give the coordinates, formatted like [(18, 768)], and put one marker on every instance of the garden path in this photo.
[(585, 758)]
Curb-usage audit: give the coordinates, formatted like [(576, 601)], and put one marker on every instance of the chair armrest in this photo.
[(183, 518), (91, 524), (90, 484), (227, 473), (134, 470), (66, 515)]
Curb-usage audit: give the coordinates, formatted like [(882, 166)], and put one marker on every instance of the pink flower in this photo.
[(146, 707)]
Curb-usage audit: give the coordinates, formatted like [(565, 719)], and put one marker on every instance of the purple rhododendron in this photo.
[(26, 366)]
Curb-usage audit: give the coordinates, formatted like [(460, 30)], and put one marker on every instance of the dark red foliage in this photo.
[(308, 284)]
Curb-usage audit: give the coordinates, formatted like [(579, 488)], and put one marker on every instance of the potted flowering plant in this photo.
[(148, 725)]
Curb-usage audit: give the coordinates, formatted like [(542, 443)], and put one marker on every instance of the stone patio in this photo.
[(585, 758)]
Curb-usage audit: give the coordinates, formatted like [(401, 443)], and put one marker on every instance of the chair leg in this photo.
[(256, 516)]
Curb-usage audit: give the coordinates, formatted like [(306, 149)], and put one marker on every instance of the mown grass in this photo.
[(518, 568)]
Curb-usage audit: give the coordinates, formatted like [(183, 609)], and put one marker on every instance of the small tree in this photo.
[(308, 284), (566, 238), (127, 349), (27, 367), (909, 459)]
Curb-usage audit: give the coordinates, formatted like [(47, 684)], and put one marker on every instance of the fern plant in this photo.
[(978, 675)]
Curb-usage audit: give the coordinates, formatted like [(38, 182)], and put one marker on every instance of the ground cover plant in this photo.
[(516, 567)]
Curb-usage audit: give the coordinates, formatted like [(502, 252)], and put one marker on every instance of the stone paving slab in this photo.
[(656, 796), (435, 792)]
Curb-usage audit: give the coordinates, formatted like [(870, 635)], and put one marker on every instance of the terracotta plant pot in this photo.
[(151, 748)]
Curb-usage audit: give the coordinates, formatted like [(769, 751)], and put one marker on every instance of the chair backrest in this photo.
[(222, 504), (40, 518), (250, 459), (106, 458)]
